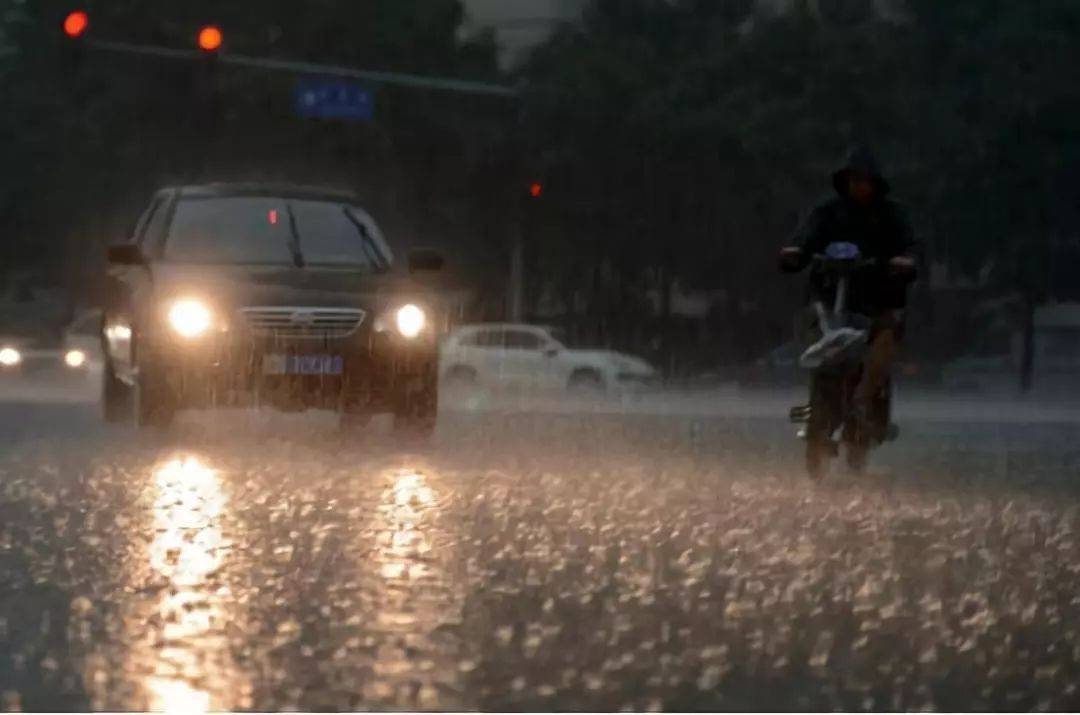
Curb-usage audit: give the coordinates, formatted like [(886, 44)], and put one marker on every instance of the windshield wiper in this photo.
[(294, 239), (370, 247)]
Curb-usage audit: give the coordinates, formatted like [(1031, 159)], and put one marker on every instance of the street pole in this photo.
[(515, 308)]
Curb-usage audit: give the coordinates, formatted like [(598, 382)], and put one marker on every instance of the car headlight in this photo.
[(75, 358), (10, 357), (190, 318), (410, 320)]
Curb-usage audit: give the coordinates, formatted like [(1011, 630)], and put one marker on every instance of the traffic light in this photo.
[(536, 189), (72, 45), (76, 24), (210, 39), (207, 94)]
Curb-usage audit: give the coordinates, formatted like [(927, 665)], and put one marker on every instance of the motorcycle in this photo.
[(835, 362)]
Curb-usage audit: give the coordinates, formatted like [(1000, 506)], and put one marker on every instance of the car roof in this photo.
[(278, 190)]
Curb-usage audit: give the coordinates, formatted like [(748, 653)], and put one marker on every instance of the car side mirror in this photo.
[(126, 254), (551, 352), (425, 259)]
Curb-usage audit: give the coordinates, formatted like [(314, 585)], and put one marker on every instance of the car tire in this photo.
[(586, 381), (416, 406), (116, 397), (155, 403)]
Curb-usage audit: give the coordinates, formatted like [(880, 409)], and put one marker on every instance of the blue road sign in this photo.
[(334, 99)]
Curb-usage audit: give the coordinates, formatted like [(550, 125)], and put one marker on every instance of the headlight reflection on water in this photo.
[(190, 501), (412, 488), (176, 696), (190, 659)]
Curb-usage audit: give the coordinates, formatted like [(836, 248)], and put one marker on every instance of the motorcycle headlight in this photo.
[(410, 320), (10, 357), (189, 318)]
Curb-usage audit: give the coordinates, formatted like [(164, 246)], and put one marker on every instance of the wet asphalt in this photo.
[(532, 561)]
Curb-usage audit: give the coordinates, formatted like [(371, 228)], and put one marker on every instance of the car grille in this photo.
[(295, 322)]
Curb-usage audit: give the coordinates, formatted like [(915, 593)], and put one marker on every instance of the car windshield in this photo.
[(274, 231)]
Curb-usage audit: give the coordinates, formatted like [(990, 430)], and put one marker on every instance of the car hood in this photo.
[(240, 286)]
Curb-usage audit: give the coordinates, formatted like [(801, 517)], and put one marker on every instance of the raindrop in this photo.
[(504, 634), (710, 677), (81, 606)]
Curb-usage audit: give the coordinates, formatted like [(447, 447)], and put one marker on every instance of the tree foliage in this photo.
[(690, 134), (90, 135)]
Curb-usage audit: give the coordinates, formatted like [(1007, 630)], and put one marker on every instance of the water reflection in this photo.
[(404, 544), (186, 648), (411, 489), (415, 596), (187, 544)]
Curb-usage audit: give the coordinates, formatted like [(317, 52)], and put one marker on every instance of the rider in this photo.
[(862, 214)]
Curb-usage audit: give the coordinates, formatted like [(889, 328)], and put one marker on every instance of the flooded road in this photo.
[(554, 561)]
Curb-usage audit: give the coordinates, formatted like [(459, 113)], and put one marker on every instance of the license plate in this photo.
[(302, 364)]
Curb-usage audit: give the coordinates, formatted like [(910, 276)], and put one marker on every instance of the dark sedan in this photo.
[(237, 295)]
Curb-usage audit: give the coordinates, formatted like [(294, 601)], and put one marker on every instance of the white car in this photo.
[(530, 357), (82, 342)]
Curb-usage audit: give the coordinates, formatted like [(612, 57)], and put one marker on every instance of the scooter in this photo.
[(835, 363)]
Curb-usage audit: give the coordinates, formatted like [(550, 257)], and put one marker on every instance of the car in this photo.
[(261, 294), (81, 352), (75, 352), (28, 352), (532, 357)]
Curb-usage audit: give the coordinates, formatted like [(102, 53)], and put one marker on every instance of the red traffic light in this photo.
[(210, 39), (75, 24), (536, 189)]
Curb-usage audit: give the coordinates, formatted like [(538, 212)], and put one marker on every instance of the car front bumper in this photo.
[(239, 369)]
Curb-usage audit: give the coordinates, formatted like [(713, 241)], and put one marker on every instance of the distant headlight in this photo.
[(189, 318), (10, 357), (410, 320), (75, 358)]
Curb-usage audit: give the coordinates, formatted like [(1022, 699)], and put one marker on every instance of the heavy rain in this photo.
[(564, 356)]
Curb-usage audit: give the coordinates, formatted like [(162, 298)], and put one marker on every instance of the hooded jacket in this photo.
[(880, 229)]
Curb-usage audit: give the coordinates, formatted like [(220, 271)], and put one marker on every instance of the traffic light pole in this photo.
[(515, 308), (401, 79)]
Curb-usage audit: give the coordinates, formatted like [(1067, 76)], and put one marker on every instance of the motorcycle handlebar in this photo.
[(821, 258)]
